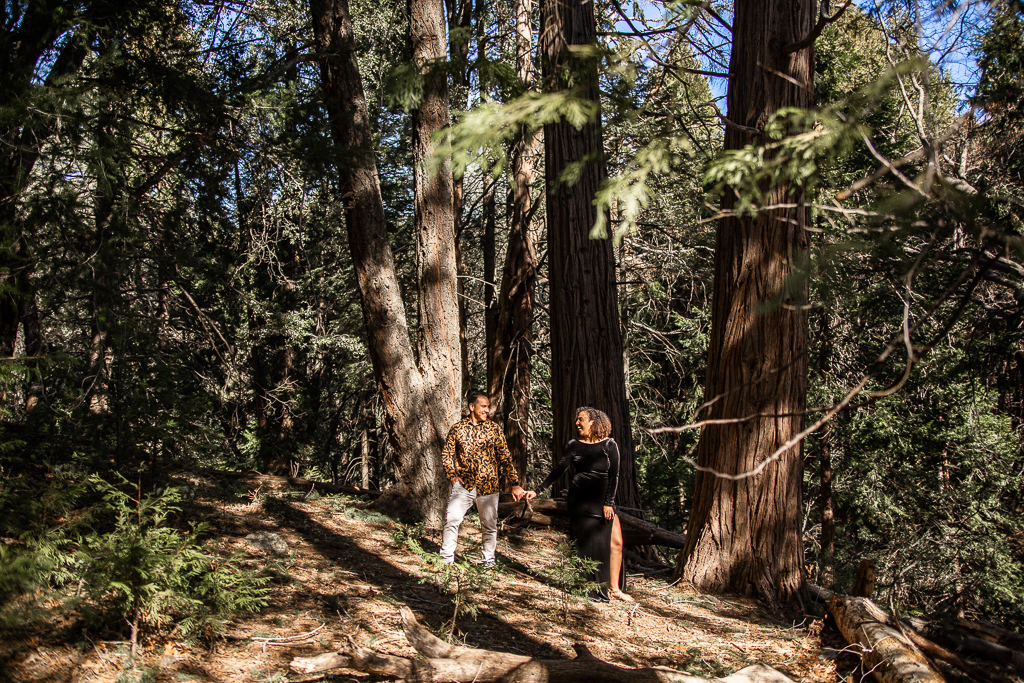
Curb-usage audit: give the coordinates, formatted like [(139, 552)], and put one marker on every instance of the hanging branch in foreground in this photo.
[(443, 662)]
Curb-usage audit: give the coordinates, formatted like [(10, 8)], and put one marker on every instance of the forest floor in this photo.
[(347, 573)]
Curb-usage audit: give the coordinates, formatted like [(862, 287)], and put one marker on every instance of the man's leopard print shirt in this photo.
[(474, 454)]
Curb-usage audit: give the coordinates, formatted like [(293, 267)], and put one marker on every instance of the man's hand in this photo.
[(517, 493), (530, 495), (457, 480)]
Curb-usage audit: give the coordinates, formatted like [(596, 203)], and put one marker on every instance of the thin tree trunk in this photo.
[(32, 330), (827, 541), (586, 340), (413, 435), (744, 535), (365, 460), (460, 16)]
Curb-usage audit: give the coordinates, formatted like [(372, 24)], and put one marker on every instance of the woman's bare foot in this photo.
[(619, 595)]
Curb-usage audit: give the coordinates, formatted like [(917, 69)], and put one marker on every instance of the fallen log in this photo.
[(915, 629), (888, 653), (989, 650), (444, 662), (635, 531), (984, 629)]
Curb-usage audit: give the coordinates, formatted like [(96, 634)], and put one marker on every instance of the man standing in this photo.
[(472, 454)]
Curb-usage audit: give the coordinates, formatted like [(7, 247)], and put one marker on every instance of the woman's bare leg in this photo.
[(615, 563)]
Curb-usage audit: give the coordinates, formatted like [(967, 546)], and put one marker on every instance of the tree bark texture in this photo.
[(404, 391), (440, 346), (586, 340), (744, 535), (441, 662), (510, 348)]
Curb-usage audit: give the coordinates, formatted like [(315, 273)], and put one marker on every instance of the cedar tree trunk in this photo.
[(440, 346), (744, 535), (586, 340)]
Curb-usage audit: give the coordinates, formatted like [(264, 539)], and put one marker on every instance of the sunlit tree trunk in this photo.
[(744, 535), (440, 346), (586, 340), (411, 431)]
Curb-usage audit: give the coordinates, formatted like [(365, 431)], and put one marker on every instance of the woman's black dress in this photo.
[(595, 478)]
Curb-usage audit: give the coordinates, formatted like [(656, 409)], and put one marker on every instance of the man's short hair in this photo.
[(472, 397)]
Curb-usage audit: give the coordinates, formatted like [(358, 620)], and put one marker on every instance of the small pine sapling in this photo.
[(570, 574)]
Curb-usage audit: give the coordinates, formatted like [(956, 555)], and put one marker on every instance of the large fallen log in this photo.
[(442, 662), (915, 630), (888, 653), (635, 531)]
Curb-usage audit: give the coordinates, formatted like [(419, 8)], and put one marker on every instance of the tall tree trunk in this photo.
[(826, 565), (490, 248), (586, 341), (744, 535), (460, 18), (32, 330), (510, 347), (440, 356), (414, 438)]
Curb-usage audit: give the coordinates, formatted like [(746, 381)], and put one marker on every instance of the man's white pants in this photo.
[(459, 503)]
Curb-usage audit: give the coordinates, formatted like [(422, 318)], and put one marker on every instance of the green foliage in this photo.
[(482, 134), (930, 486), (152, 574), (571, 575)]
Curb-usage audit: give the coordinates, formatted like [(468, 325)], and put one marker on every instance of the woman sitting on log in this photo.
[(593, 524)]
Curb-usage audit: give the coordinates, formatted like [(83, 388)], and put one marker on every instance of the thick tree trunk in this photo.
[(441, 662), (413, 435), (744, 534), (586, 340), (440, 347), (510, 346)]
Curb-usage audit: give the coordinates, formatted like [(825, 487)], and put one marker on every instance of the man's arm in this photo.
[(505, 458), (448, 456)]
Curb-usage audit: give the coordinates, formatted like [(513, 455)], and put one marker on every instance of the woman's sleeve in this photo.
[(613, 472), (559, 470)]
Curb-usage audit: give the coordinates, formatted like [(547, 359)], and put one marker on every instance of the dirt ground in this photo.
[(346, 575)]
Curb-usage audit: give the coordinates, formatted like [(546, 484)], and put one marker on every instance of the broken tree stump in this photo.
[(442, 662), (864, 584)]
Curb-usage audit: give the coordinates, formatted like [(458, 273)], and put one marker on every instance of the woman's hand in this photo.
[(530, 495), (609, 512)]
